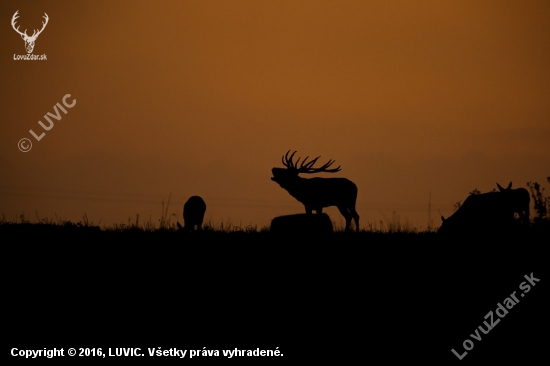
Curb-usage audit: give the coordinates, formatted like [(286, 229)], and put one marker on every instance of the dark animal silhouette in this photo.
[(302, 224), (491, 212), (316, 193), (193, 214), (517, 201)]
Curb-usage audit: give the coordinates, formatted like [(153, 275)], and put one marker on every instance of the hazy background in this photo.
[(204, 97)]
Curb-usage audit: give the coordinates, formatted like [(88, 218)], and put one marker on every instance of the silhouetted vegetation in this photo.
[(75, 233), (540, 201)]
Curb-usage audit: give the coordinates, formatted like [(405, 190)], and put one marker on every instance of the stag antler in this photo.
[(15, 16), (24, 34), (43, 26), (307, 167)]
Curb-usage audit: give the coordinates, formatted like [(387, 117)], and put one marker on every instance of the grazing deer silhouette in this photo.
[(316, 193), (193, 213), (490, 212)]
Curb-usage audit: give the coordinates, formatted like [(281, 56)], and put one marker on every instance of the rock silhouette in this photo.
[(302, 224)]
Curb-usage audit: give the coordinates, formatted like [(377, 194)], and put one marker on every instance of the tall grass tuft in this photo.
[(394, 224)]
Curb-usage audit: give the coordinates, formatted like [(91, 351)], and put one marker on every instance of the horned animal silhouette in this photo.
[(489, 212), (316, 193)]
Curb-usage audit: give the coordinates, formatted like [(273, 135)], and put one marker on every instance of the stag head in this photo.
[(29, 41), (284, 175)]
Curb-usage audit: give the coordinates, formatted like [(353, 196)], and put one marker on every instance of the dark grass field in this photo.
[(361, 296)]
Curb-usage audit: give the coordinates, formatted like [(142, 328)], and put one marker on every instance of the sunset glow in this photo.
[(418, 102)]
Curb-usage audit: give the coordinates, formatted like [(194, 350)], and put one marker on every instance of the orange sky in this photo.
[(203, 98)]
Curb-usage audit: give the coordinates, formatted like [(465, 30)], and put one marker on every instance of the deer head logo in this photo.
[(29, 41)]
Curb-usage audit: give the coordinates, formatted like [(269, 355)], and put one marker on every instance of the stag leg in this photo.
[(309, 210), (525, 216), (355, 218), (344, 211)]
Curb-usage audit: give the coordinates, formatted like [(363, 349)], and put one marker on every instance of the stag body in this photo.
[(193, 213), (29, 41), (316, 193)]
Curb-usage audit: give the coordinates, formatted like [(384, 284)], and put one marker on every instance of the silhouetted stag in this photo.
[(316, 193), (492, 212), (302, 224), (193, 214)]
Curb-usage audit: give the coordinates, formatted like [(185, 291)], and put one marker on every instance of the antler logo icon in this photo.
[(29, 41)]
